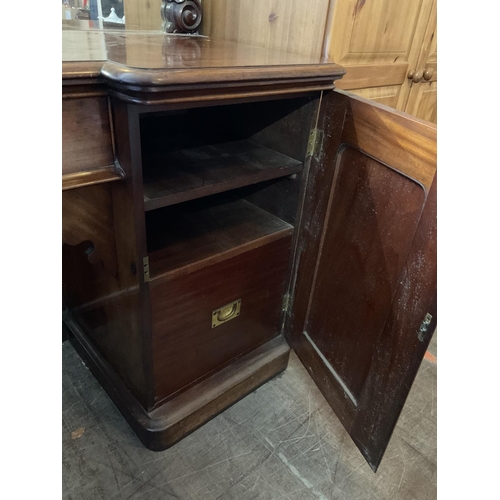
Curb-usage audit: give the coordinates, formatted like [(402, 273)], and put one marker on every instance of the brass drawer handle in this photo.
[(226, 313)]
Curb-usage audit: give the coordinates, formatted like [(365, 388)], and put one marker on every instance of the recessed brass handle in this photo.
[(428, 74), (226, 313)]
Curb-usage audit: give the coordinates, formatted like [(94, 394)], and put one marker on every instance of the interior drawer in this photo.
[(186, 346)]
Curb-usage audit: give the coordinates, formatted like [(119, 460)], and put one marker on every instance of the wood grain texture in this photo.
[(185, 346), (196, 232), (165, 426), (354, 258), (405, 143), (388, 96), (99, 286), (140, 15), (153, 68), (401, 348), (373, 76), (374, 213), (86, 134), (292, 25), (186, 174), (422, 100), (87, 216), (378, 42)]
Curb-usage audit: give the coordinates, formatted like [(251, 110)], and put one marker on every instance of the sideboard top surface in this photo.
[(157, 59)]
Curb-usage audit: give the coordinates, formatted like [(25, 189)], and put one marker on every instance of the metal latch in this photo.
[(424, 327)]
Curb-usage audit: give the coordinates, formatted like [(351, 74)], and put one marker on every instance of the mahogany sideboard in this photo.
[(222, 204)]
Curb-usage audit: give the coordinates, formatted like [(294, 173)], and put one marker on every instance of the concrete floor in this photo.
[(280, 442)]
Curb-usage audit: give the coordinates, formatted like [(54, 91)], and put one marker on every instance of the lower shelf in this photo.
[(163, 427), (201, 230)]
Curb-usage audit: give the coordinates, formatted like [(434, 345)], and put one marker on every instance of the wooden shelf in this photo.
[(203, 232), (186, 174)]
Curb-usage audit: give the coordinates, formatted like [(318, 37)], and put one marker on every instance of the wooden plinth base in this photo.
[(164, 426)]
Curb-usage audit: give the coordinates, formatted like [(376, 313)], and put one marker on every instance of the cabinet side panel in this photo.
[(86, 134), (98, 287)]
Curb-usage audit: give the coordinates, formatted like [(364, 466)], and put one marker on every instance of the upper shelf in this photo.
[(187, 174)]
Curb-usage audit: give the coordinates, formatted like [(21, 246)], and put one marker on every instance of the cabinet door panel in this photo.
[(363, 291), (377, 42)]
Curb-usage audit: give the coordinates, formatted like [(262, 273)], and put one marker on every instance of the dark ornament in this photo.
[(181, 16)]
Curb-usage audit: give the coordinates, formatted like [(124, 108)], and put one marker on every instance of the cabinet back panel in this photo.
[(374, 214), (186, 348)]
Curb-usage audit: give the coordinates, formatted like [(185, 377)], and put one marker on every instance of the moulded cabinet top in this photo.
[(154, 59)]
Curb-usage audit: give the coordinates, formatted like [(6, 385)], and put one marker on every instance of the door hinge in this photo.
[(286, 302), (424, 327), (145, 264), (315, 142)]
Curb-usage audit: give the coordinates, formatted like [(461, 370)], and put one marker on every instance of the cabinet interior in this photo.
[(217, 178)]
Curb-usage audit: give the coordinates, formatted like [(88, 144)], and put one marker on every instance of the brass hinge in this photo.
[(145, 264), (315, 141)]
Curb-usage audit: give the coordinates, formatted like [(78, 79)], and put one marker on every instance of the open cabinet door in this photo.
[(364, 287)]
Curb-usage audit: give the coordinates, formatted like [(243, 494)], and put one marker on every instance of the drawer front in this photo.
[(186, 346), (86, 134)]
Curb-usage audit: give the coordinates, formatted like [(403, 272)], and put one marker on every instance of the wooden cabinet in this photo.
[(380, 43), (249, 207), (422, 99)]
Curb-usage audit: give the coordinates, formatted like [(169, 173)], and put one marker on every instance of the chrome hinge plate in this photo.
[(315, 141), (145, 264)]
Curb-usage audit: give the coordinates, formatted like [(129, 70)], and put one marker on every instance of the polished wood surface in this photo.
[(92, 177), (86, 134), (373, 214), (195, 233), (361, 248), (405, 143), (99, 285), (186, 174), (160, 51), (156, 68), (185, 346), (87, 216), (354, 257)]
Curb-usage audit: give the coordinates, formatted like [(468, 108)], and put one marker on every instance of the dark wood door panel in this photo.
[(359, 303), (373, 216)]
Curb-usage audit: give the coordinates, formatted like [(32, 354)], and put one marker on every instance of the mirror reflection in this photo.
[(111, 14)]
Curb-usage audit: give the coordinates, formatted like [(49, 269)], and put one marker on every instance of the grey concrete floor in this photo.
[(281, 442)]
